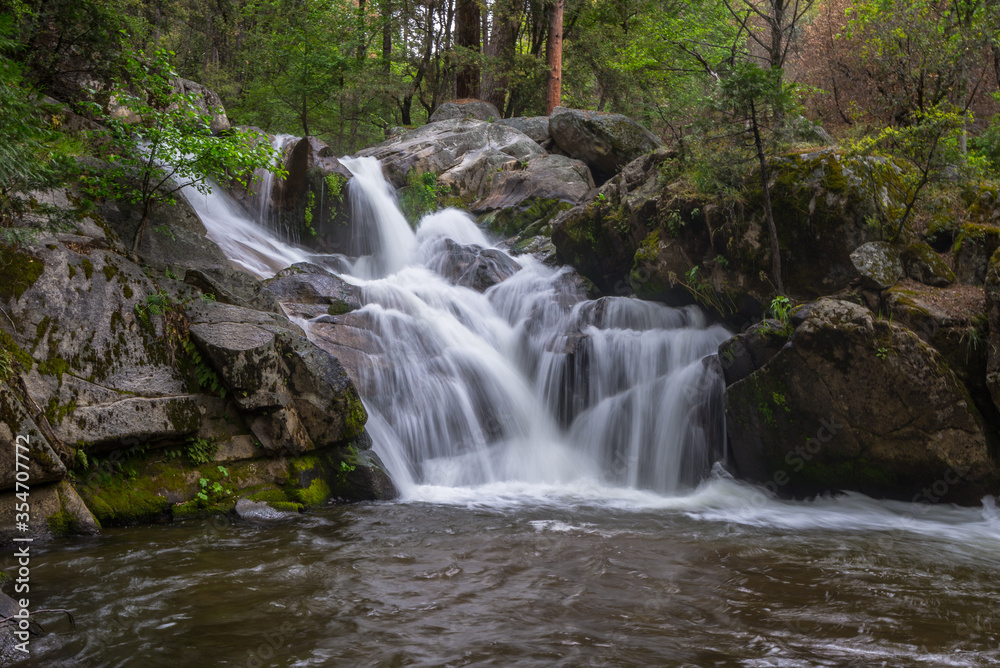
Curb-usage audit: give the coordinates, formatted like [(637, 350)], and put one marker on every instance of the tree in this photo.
[(467, 20), (158, 141), (553, 52)]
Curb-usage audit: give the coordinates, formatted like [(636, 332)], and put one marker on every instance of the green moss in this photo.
[(315, 494), (649, 249), (269, 496), (119, 502), (286, 506), (72, 271), (62, 523), (355, 417), (55, 412), (127, 291), (339, 307), (7, 343), (88, 268), (18, 272), (54, 366), (110, 271)]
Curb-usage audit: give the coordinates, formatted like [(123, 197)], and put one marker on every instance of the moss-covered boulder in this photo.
[(19, 434), (975, 245), (923, 264), (857, 403)]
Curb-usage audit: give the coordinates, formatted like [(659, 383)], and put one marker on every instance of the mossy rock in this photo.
[(973, 249), (924, 265), (18, 272)]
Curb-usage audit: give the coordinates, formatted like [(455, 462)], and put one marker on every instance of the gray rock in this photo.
[(543, 177), (56, 510), (18, 428), (878, 264), (606, 142), (305, 283), (258, 511), (463, 153), (536, 127), (473, 266), (466, 108)]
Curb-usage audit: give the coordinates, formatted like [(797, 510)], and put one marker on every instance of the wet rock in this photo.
[(878, 265), (857, 403), (473, 266), (479, 110), (259, 511), (606, 142), (56, 511), (922, 264), (306, 283)]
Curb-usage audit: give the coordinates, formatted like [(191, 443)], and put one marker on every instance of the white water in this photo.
[(530, 394)]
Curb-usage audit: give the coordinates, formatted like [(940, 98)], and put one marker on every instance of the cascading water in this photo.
[(528, 382)]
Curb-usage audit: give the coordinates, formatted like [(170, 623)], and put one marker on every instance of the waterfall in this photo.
[(528, 382)]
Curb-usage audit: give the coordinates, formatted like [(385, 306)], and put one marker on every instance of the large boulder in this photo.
[(495, 170), (878, 264), (93, 345), (975, 245), (852, 402), (462, 152), (300, 396), (606, 142), (479, 110), (56, 510), (661, 241), (923, 264), (536, 127), (311, 202)]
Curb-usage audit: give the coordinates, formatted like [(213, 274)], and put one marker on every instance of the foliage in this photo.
[(158, 142), (419, 196), (204, 374), (28, 158), (929, 147)]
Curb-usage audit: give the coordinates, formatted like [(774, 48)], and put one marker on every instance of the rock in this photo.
[(973, 249), (18, 429), (316, 181), (231, 286), (472, 266), (92, 344), (174, 237), (878, 265), (644, 236), (856, 403), (259, 511), (309, 399), (56, 510), (207, 102), (305, 283), (367, 481), (993, 313), (606, 142), (465, 108), (462, 152), (536, 127), (922, 264), (523, 194)]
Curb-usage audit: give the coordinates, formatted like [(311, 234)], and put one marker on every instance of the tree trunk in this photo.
[(467, 36), (386, 35), (137, 241), (501, 47), (553, 51), (768, 213)]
